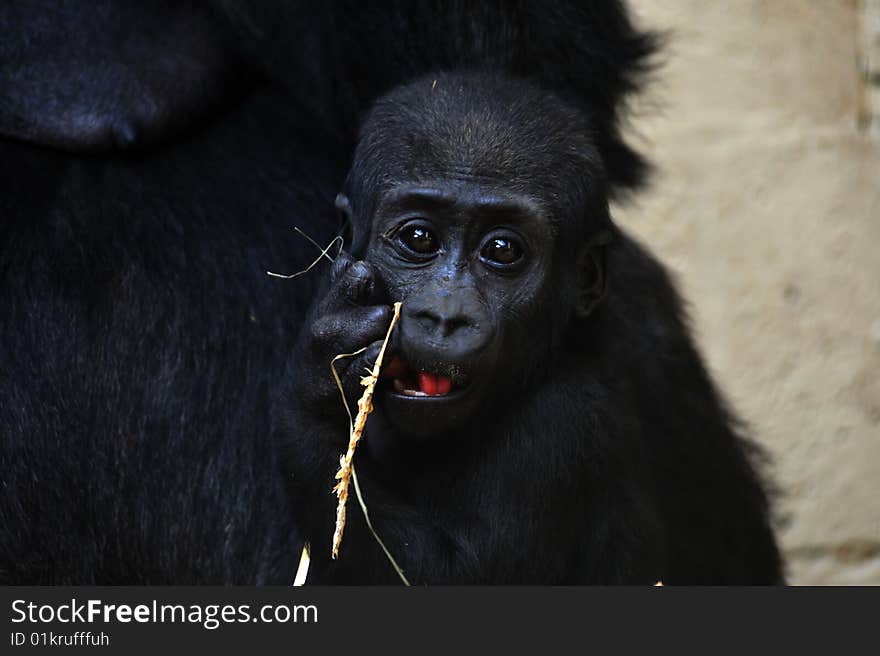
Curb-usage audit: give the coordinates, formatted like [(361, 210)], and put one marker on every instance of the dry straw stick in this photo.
[(324, 253), (356, 429), (302, 570), (363, 504)]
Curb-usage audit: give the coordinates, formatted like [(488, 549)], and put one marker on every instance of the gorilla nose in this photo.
[(441, 324), (445, 325)]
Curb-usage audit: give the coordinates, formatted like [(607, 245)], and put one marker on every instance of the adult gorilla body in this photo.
[(152, 166)]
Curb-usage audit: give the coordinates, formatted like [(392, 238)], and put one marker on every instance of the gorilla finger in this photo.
[(363, 286), (351, 282), (345, 332), (356, 369), (360, 282), (366, 324), (340, 265)]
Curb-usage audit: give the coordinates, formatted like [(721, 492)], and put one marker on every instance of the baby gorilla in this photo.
[(544, 417)]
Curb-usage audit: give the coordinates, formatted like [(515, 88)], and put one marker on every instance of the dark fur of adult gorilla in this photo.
[(545, 417), (153, 162)]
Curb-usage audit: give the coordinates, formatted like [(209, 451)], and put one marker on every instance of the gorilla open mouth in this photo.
[(427, 398), (417, 382)]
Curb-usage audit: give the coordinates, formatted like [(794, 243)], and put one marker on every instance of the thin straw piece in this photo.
[(356, 429)]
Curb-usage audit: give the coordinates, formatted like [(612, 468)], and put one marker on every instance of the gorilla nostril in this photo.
[(452, 324), (427, 322)]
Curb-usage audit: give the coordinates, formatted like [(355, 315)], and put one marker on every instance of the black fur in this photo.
[(586, 445), (152, 166)]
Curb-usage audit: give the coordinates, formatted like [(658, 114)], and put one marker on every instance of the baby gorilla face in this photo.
[(475, 199), (470, 262)]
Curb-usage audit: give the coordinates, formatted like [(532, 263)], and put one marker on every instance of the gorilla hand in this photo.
[(350, 317)]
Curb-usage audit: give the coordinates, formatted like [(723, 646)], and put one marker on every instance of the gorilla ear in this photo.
[(356, 235), (591, 274), (343, 204)]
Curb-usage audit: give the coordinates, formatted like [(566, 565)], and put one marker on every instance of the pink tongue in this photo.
[(434, 384)]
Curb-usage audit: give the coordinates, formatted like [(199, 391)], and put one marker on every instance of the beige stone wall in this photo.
[(766, 205)]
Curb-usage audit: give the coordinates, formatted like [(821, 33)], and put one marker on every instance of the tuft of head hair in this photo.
[(484, 126)]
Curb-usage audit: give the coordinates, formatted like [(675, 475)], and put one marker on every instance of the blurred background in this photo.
[(764, 124)]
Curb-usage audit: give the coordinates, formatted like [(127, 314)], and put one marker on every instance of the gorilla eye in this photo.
[(418, 239), (501, 250)]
